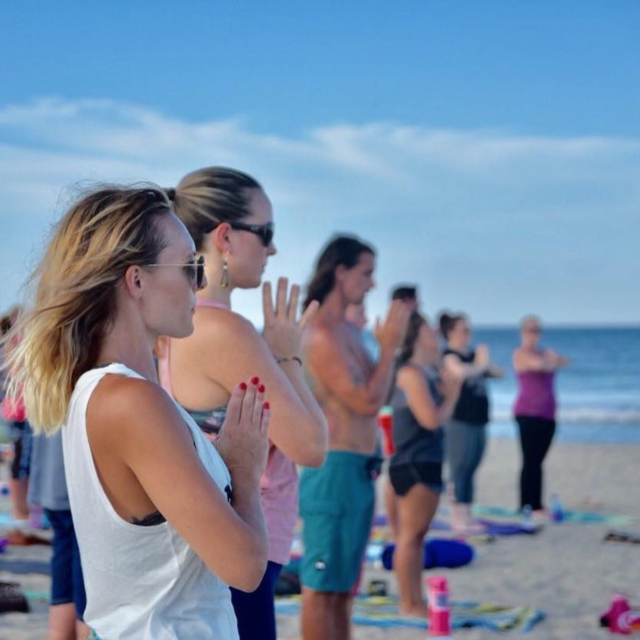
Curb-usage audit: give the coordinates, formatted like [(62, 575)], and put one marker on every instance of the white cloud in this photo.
[(469, 214)]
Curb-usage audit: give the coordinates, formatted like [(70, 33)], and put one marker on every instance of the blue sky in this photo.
[(490, 150)]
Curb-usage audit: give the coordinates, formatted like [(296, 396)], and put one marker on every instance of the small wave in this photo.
[(583, 415)]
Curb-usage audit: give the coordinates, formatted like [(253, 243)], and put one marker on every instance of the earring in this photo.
[(224, 278)]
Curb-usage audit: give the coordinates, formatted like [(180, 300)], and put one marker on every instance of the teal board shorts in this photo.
[(336, 507)]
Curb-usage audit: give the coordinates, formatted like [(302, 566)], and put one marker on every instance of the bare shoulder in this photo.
[(119, 402), (221, 336), (223, 325)]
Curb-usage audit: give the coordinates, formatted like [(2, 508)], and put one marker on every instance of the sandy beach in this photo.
[(566, 570)]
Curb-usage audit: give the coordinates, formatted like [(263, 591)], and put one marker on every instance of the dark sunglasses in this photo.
[(263, 231), (194, 270), (533, 330)]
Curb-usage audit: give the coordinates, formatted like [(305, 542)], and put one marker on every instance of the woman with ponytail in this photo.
[(466, 431), (148, 492), (423, 401), (230, 219)]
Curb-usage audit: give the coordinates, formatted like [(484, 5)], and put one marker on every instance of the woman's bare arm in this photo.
[(327, 363), (463, 369), (412, 382), (147, 451), (230, 349), (526, 360)]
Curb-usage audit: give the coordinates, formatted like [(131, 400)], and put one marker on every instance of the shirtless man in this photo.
[(337, 500)]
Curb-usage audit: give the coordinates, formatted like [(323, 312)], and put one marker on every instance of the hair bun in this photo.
[(171, 194)]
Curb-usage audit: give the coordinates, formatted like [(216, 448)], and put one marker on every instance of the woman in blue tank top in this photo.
[(422, 401)]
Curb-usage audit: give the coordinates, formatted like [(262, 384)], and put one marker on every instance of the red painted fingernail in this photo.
[(243, 386), (266, 405), (261, 388), (255, 380)]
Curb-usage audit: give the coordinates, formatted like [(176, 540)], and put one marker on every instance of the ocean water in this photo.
[(598, 395)]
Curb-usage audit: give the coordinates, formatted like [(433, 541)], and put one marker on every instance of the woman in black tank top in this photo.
[(466, 431)]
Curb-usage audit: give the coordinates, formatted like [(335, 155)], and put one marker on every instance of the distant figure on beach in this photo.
[(7, 321), (14, 414), (48, 489), (535, 407), (407, 293), (164, 520), (466, 431), (423, 401), (357, 315), (230, 219), (337, 500)]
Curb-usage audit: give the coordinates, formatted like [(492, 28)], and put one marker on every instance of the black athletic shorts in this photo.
[(404, 476)]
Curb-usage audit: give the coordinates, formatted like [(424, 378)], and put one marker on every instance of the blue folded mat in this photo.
[(436, 553)]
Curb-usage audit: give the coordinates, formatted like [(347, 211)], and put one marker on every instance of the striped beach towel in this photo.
[(382, 611)]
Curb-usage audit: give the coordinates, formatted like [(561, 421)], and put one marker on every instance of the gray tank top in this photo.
[(413, 442)]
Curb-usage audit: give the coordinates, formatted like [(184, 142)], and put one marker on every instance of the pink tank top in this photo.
[(279, 483)]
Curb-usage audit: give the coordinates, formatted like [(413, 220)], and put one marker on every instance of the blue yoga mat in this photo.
[(570, 515), (494, 528), (7, 521), (25, 566)]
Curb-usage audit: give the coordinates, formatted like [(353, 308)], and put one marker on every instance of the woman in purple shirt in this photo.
[(535, 407)]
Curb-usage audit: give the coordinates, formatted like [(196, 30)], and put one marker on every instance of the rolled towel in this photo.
[(436, 553)]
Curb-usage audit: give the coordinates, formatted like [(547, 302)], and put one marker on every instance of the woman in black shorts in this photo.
[(423, 400)]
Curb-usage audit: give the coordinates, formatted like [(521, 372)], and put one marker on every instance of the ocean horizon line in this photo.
[(559, 326)]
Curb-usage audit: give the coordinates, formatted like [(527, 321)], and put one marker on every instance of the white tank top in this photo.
[(141, 582)]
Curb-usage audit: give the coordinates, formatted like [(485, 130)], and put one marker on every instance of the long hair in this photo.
[(343, 250), (416, 320), (206, 197), (59, 339)]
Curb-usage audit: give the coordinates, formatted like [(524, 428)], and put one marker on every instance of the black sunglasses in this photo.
[(263, 231), (194, 270)]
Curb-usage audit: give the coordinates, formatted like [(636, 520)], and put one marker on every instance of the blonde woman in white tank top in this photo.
[(148, 492)]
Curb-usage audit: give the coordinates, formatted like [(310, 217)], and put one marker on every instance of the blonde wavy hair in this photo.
[(59, 338)]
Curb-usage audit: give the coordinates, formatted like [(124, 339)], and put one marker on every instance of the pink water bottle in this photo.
[(438, 609), (620, 619), (385, 422)]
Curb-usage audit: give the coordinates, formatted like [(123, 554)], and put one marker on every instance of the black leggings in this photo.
[(536, 435)]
